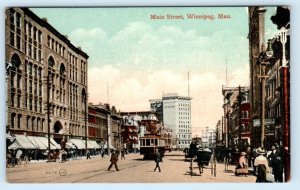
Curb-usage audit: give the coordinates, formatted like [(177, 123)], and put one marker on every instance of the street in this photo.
[(132, 170)]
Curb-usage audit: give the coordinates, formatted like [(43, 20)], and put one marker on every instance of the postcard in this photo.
[(147, 94)]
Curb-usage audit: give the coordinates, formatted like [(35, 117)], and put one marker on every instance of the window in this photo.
[(12, 99), (19, 121), (12, 27), (13, 120), (18, 101), (50, 62)]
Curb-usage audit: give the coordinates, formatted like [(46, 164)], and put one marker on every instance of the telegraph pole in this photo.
[(48, 113), (239, 117)]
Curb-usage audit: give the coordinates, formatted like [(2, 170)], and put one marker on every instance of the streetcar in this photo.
[(150, 144)]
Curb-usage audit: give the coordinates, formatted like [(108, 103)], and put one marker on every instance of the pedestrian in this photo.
[(261, 162), (158, 158), (242, 167), (88, 155), (102, 154), (113, 160), (248, 156), (18, 157), (276, 163), (122, 153)]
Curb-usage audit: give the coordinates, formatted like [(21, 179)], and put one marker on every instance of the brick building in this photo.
[(38, 57)]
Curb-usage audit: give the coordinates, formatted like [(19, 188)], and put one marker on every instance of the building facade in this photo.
[(257, 44), (177, 117), (46, 79), (156, 107)]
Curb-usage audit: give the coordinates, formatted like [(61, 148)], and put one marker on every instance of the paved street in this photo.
[(132, 170)]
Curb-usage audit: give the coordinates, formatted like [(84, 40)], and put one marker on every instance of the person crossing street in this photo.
[(113, 160), (158, 158)]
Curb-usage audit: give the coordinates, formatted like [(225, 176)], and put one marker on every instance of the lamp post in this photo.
[(48, 110), (85, 124), (264, 62), (285, 94)]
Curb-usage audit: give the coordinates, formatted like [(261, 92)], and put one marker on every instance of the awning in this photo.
[(94, 144), (79, 143), (55, 144), (24, 142), (37, 142), (70, 145), (14, 146), (89, 145), (44, 140)]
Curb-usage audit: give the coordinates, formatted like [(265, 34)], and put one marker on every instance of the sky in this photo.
[(133, 58)]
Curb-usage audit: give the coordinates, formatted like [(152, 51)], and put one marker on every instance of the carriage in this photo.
[(203, 156)]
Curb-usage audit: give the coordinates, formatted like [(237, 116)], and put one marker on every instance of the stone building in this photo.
[(46, 78)]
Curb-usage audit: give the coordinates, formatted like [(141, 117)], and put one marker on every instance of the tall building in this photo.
[(46, 79), (256, 38), (177, 117)]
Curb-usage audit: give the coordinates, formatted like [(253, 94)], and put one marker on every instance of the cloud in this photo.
[(132, 91), (141, 62)]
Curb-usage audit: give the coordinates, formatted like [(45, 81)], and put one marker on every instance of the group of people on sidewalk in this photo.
[(267, 165)]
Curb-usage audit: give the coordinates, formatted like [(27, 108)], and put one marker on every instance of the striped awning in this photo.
[(23, 142), (94, 144), (78, 143)]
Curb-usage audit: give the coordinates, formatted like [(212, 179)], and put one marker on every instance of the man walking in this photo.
[(113, 160), (122, 154), (158, 158)]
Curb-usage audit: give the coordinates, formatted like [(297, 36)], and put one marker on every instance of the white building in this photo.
[(208, 137), (177, 116)]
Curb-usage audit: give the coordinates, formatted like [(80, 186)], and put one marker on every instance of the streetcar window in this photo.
[(152, 142), (147, 142), (156, 143)]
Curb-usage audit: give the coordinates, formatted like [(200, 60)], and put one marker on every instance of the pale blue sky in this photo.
[(142, 58)]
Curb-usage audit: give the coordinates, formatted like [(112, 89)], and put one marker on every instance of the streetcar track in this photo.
[(108, 172)]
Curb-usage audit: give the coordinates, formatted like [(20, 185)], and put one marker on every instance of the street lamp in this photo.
[(285, 96), (264, 62), (48, 83)]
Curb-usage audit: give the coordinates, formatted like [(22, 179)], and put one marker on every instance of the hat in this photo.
[(260, 151), (273, 148), (243, 153)]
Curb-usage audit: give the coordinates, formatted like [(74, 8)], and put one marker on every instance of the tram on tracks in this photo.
[(150, 143)]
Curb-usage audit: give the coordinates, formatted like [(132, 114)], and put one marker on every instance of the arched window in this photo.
[(62, 69), (51, 61)]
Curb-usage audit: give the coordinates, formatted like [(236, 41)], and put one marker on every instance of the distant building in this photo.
[(208, 138), (156, 107), (177, 117)]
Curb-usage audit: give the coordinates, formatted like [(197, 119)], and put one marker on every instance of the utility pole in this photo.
[(239, 117), (85, 120), (48, 113)]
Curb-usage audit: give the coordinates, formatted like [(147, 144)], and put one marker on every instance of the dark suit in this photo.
[(113, 160)]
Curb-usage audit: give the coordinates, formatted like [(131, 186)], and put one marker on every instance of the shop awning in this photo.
[(94, 144), (14, 146), (24, 142), (89, 145), (69, 145), (44, 140), (37, 142), (79, 143), (55, 144)]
